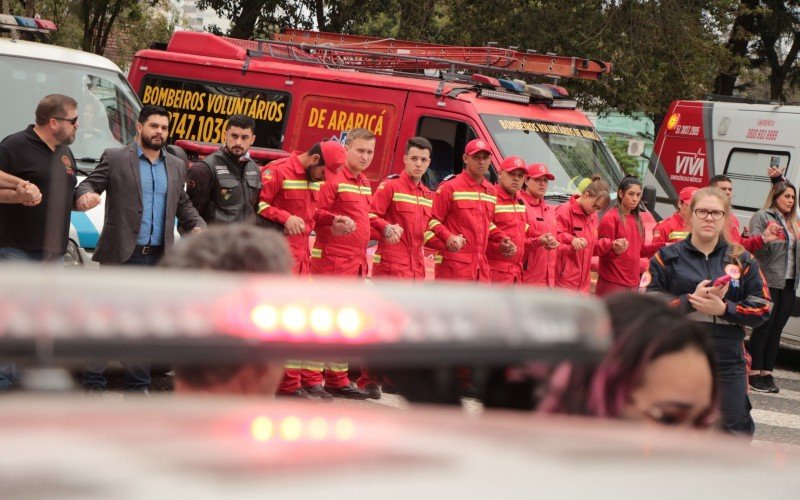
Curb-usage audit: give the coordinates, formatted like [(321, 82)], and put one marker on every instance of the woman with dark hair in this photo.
[(618, 268), (577, 228), (660, 368), (779, 261), (718, 285)]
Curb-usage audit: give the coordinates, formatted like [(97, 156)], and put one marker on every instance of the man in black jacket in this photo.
[(224, 186)]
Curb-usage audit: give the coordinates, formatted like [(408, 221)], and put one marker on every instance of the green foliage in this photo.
[(619, 148)]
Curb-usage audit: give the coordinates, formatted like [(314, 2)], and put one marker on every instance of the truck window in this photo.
[(747, 168), (448, 138), (107, 106), (572, 152), (198, 110)]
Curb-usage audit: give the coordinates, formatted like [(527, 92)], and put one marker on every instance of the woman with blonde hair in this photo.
[(718, 285), (779, 261), (577, 227)]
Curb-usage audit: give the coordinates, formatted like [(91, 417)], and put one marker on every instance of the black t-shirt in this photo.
[(44, 227)]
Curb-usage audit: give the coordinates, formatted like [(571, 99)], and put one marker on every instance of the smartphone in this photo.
[(722, 281)]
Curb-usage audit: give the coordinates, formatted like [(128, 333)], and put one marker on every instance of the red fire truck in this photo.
[(305, 86)]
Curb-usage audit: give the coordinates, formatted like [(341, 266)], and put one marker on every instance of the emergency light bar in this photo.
[(179, 317), (20, 23)]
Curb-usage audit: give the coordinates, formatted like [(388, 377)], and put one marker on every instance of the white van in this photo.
[(107, 108), (731, 136)]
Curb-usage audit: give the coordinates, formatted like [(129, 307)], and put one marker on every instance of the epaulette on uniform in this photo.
[(392, 176), (451, 176)]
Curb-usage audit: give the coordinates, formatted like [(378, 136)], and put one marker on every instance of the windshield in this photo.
[(107, 106), (571, 152)]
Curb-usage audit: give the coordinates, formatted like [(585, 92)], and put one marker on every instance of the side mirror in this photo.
[(649, 198)]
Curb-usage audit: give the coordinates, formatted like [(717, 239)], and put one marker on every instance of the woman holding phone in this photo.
[(779, 261), (687, 271)]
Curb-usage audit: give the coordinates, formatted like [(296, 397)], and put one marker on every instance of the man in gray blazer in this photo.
[(145, 192)]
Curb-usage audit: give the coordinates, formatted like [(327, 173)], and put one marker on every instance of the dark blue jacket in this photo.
[(677, 269)]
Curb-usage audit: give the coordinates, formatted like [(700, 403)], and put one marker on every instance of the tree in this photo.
[(619, 148)]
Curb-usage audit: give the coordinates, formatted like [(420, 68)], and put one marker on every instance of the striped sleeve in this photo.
[(755, 308)]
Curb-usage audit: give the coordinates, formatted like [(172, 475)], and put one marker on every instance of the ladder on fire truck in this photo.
[(388, 54)]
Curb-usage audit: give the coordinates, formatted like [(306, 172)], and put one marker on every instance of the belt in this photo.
[(147, 249)]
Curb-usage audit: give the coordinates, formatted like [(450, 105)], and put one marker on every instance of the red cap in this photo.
[(687, 193), (476, 146), (536, 170), (512, 163), (333, 154)]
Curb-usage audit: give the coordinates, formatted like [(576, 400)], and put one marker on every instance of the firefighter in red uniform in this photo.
[(676, 227), (752, 243), (289, 193), (401, 209), (288, 200), (343, 232), (539, 264), (463, 209), (511, 219), (577, 229)]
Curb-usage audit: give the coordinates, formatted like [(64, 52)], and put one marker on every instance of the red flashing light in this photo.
[(291, 429), (486, 80), (44, 24)]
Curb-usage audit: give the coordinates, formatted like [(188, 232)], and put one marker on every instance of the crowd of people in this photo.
[(718, 280)]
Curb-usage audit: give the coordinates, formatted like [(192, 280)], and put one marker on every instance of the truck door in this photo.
[(448, 135)]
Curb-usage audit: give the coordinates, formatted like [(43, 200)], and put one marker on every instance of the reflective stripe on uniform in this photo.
[(313, 366), (376, 259), (373, 216), (262, 206), (427, 236), (293, 364), (408, 198), (678, 235), (509, 209), (438, 259), (352, 188), (433, 223), (492, 226), (472, 196), (289, 184), (316, 253), (314, 186), (337, 367)]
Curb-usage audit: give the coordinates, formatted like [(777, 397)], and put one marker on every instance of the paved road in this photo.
[(777, 416)]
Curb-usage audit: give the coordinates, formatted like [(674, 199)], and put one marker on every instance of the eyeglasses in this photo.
[(716, 215), (72, 121)]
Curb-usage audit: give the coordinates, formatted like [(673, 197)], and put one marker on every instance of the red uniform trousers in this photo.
[(539, 264), (349, 195), (463, 206)]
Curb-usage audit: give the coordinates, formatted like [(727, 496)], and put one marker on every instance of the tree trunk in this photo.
[(244, 25), (30, 8), (320, 8), (742, 32), (415, 19)]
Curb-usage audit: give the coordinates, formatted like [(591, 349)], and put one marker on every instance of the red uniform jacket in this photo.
[(285, 192), (398, 200), (623, 269), (572, 268), (463, 206), (671, 230), (539, 266), (510, 219), (342, 194)]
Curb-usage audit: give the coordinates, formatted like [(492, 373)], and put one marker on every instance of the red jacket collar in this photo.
[(484, 183), (575, 206)]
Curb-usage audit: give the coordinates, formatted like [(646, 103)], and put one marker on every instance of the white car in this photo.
[(107, 108)]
